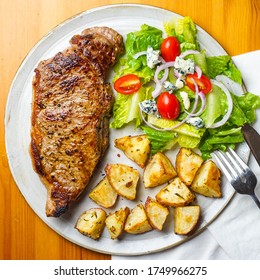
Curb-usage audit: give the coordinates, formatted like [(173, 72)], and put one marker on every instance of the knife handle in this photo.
[(253, 140)]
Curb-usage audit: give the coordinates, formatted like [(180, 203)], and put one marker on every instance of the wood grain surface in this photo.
[(235, 24)]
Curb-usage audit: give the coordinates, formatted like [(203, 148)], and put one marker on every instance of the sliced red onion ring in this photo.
[(157, 128), (169, 64), (165, 66), (158, 88), (203, 105), (165, 75), (231, 85), (230, 105), (135, 56), (162, 60), (196, 97), (159, 83), (147, 123), (188, 52), (176, 73), (198, 71)]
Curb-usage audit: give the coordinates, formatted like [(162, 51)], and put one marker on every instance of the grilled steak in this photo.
[(70, 115)]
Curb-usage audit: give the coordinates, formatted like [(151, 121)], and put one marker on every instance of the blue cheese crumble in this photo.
[(152, 57), (184, 66), (169, 86), (149, 107), (196, 122)]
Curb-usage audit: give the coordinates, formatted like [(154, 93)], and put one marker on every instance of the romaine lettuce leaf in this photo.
[(185, 129), (185, 136), (137, 42), (249, 103), (169, 27), (216, 106), (219, 139), (230, 134), (223, 64), (233, 72), (142, 39), (201, 60), (160, 140), (186, 141), (244, 109), (165, 140), (126, 107), (185, 31)]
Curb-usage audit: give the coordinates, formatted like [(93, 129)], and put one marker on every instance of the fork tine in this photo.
[(237, 172), (237, 159), (233, 160), (221, 161)]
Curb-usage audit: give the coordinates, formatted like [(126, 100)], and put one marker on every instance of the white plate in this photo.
[(123, 18)]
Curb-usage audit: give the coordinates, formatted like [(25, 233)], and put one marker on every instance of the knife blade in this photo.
[(253, 140)]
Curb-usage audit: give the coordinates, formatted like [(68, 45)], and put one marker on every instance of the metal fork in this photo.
[(237, 172)]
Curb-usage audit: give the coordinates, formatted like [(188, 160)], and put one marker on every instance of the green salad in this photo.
[(176, 94)]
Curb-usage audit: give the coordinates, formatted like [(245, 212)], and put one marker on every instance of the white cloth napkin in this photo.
[(235, 234)]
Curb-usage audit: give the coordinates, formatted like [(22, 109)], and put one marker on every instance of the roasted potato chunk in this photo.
[(92, 222), (137, 221), (186, 219), (115, 222), (158, 171), (187, 164), (104, 194), (136, 148), (123, 179), (175, 194), (208, 180), (156, 213)]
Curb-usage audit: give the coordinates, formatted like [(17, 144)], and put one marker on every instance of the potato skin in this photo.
[(137, 148), (156, 213), (115, 222), (187, 165), (208, 180), (175, 194), (123, 179), (158, 171), (104, 194), (137, 221), (92, 222), (186, 218)]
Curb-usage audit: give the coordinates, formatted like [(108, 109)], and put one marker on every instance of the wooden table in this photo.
[(235, 24)]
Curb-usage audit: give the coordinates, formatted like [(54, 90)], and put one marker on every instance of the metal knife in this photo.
[(253, 140)]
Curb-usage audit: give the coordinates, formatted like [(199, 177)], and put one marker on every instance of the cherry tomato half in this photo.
[(203, 83), (170, 48), (127, 84), (168, 105)]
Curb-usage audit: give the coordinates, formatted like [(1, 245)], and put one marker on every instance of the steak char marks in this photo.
[(70, 115)]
